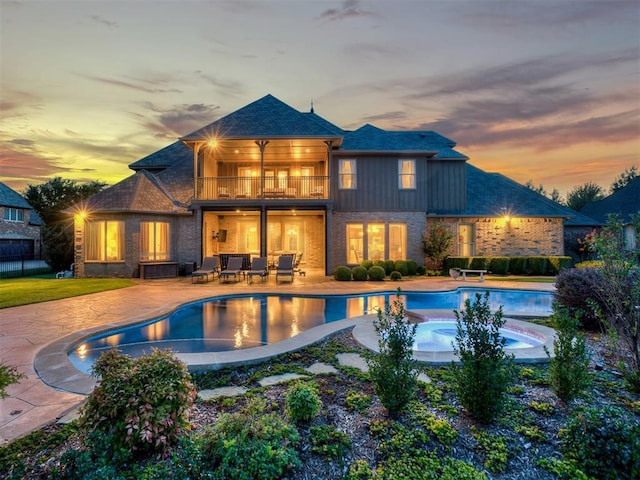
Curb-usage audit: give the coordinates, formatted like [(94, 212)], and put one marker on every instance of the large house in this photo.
[(20, 227), (268, 179)]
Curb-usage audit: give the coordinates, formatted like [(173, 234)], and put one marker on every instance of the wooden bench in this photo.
[(464, 272)]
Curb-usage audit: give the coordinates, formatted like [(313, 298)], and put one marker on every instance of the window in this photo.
[(347, 174), (397, 241), (154, 241), (465, 240), (406, 174), (13, 214), (248, 239), (355, 245), (375, 241), (105, 241)]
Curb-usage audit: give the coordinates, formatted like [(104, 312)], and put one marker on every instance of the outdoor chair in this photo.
[(259, 268), (296, 265), (234, 268), (285, 267), (209, 266), (67, 273)]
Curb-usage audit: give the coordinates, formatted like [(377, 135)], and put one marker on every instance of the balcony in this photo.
[(253, 188)]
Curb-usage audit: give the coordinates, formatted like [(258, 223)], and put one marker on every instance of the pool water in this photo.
[(244, 321), (439, 336)]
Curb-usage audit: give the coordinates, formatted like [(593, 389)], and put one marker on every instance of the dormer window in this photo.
[(13, 214), (406, 174)]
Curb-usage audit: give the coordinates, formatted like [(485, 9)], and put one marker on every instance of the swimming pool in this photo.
[(234, 322)]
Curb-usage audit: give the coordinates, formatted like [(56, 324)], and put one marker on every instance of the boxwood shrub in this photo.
[(342, 274), (367, 264), (557, 264), (376, 273), (537, 265), (389, 266), (402, 267), (395, 276), (412, 266), (421, 270), (479, 263), (359, 274), (517, 265), (499, 265)]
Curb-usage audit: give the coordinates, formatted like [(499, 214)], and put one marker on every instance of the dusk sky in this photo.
[(542, 90)]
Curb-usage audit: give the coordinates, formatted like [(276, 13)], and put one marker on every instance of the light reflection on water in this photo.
[(245, 321)]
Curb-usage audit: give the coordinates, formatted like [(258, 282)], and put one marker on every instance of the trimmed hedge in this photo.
[(532, 265), (376, 273), (499, 265), (342, 274)]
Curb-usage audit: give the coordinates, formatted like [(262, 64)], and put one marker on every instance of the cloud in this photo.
[(349, 9), (137, 84), (179, 119), (387, 116), (226, 87), (99, 19)]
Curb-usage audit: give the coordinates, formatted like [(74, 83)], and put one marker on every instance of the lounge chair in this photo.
[(234, 267), (209, 266), (296, 265), (285, 267), (259, 268)]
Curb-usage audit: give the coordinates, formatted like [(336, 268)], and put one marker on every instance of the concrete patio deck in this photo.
[(31, 336)]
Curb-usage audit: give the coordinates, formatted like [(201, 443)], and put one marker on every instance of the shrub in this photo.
[(589, 264), (479, 263), (380, 263), (303, 402), (499, 265), (537, 265), (389, 266), (604, 442), (358, 402), (486, 371), (342, 274), (575, 290), (437, 243), (367, 264), (395, 276), (456, 262), (376, 273), (140, 404), (326, 440), (250, 444), (557, 264), (569, 368), (359, 273), (393, 370), (8, 376), (402, 267), (359, 470), (518, 265), (412, 267), (421, 270)]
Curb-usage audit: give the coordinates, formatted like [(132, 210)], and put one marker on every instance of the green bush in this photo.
[(589, 264), (577, 289), (518, 265), (479, 263), (357, 402), (421, 270), (303, 402), (389, 266), (393, 370), (376, 273), (456, 262), (250, 444), (499, 265), (342, 274), (380, 263), (412, 267), (486, 371), (8, 376), (402, 267), (537, 265), (359, 273), (395, 276), (140, 404), (557, 264), (326, 440), (359, 470), (367, 264), (569, 368), (604, 442)]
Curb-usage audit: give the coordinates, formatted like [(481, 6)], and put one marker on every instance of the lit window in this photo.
[(406, 174), (347, 174), (355, 243), (375, 241), (465, 240), (397, 241), (154, 241), (13, 214), (105, 241)]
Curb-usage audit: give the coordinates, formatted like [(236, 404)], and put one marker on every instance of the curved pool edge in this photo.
[(365, 334)]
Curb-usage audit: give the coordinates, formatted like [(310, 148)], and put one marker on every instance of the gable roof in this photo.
[(141, 192), (267, 117), (623, 202), (164, 158), (369, 138), (12, 199)]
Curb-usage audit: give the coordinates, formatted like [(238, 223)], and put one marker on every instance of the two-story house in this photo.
[(268, 179), (20, 227)]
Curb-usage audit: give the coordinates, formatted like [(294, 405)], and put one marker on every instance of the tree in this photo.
[(437, 244), (624, 179), (49, 200), (579, 196), (554, 195)]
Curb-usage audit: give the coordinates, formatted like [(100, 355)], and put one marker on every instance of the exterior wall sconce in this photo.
[(505, 215)]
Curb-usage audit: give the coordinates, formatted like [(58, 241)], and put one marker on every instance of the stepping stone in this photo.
[(319, 368), (424, 378), (275, 379), (353, 360), (221, 392)]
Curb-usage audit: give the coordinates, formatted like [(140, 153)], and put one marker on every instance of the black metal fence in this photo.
[(13, 266)]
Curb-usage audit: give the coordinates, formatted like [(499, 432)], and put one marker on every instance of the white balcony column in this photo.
[(262, 144)]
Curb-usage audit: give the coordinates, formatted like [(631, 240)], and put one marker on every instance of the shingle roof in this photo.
[(624, 202), (11, 198), (137, 193), (267, 117), (489, 193), (369, 138), (174, 153)]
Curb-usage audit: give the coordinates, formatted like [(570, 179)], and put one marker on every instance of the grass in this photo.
[(24, 291)]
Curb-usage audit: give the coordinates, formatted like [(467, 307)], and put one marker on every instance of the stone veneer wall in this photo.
[(415, 221), (516, 237)]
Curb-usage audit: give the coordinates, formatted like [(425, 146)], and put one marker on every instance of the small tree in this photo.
[(486, 371), (393, 371), (437, 244), (570, 364), (579, 196)]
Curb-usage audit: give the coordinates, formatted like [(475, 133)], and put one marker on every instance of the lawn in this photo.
[(23, 291)]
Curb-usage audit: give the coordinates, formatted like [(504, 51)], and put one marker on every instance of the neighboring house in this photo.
[(268, 179), (624, 202), (20, 226)]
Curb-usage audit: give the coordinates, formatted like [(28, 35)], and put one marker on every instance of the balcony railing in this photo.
[(231, 188)]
